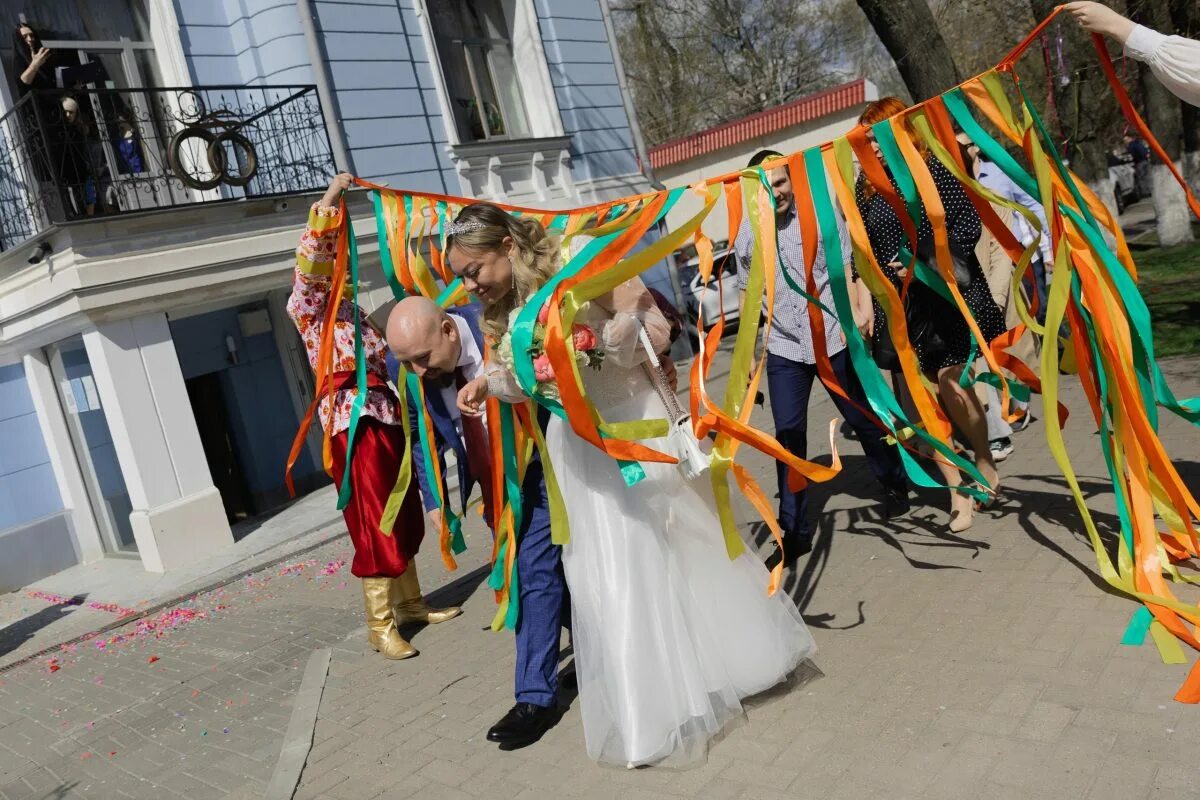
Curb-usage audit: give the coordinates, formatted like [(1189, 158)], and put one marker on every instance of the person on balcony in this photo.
[(76, 147), (385, 561), (33, 61)]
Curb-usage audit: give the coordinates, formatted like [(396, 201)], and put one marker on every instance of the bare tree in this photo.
[(1086, 119), (696, 63)]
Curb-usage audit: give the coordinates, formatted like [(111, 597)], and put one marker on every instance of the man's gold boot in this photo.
[(410, 604)]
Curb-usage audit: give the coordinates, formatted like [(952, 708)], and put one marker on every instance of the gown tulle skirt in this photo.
[(669, 633)]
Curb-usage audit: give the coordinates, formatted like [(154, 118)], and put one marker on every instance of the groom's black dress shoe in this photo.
[(794, 546), (523, 725), (896, 503)]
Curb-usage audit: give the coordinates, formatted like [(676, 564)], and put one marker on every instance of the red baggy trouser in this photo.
[(378, 454)]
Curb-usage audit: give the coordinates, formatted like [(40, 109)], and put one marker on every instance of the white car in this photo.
[(712, 302)]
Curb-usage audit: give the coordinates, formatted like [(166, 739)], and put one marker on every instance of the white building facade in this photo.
[(150, 382), (726, 148)]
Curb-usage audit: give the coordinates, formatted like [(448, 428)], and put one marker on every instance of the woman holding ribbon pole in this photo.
[(384, 560)]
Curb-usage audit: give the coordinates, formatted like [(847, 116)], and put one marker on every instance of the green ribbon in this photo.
[(360, 368), (507, 616), (879, 395)]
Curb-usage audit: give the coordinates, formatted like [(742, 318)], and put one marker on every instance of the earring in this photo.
[(512, 270)]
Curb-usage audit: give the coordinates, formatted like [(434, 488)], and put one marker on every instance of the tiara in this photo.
[(455, 228)]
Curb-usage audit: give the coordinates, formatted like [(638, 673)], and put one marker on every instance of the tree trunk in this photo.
[(1191, 146), (1165, 118), (1186, 16), (910, 34)]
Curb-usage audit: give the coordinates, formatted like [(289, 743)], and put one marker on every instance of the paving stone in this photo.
[(985, 665)]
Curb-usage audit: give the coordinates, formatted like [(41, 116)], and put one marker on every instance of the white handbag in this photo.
[(693, 461)]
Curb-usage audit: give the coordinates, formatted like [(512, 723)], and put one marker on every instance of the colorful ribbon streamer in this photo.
[(1093, 294)]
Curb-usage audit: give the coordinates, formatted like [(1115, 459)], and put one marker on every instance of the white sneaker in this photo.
[(1022, 422), (1001, 449)]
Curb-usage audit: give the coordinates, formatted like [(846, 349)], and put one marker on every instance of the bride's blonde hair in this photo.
[(535, 261)]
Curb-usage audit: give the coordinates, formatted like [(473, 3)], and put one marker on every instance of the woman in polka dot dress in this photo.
[(939, 332)]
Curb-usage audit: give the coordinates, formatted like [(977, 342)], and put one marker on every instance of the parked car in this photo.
[(714, 301), (1124, 178)]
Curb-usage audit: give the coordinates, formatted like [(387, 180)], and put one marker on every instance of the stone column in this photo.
[(177, 516)]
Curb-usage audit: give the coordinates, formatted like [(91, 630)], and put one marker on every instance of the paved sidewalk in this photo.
[(985, 664), (90, 597)]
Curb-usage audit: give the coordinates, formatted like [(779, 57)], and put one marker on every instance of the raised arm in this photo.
[(315, 256), (1174, 60)]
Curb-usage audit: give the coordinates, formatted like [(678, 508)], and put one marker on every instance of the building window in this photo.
[(474, 46)]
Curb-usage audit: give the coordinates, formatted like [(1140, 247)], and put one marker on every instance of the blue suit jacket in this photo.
[(445, 432)]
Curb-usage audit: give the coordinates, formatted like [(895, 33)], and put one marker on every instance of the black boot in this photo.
[(523, 725), (895, 503), (794, 546)]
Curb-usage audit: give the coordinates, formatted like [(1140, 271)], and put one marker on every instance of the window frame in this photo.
[(527, 52)]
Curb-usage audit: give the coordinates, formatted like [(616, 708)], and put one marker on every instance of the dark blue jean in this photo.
[(790, 386)]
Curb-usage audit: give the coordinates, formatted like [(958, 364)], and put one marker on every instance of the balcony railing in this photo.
[(78, 154)]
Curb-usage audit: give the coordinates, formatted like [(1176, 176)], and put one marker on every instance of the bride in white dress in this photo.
[(669, 633)]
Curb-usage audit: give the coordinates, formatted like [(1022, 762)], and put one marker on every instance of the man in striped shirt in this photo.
[(792, 365)]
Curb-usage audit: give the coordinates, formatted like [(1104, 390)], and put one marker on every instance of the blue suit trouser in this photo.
[(542, 590), (790, 386)]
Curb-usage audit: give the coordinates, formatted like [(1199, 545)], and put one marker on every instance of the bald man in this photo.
[(445, 350)]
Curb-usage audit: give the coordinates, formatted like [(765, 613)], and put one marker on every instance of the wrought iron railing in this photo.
[(77, 154)]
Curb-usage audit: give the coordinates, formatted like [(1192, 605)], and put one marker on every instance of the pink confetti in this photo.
[(60, 600), (112, 608), (55, 599), (333, 567), (99, 681)]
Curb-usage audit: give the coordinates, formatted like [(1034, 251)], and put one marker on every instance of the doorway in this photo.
[(93, 444), (225, 466)]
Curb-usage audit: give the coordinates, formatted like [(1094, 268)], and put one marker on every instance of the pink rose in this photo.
[(584, 338), (543, 314), (542, 370)]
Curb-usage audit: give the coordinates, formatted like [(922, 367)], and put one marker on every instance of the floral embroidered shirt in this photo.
[(307, 308)]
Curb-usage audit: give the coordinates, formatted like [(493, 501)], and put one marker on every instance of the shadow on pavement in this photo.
[(1037, 510), (923, 526), (22, 630)]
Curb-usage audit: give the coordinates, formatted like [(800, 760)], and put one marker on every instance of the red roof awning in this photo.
[(728, 134)]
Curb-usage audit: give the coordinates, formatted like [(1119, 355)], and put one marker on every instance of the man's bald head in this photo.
[(423, 337)]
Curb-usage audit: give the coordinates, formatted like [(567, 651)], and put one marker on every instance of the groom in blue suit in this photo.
[(444, 349)]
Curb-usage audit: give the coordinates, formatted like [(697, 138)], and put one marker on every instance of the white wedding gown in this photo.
[(669, 633)]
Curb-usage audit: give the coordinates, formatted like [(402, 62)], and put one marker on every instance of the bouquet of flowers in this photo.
[(584, 343)]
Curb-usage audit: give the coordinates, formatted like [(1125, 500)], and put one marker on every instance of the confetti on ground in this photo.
[(55, 599), (151, 659), (60, 600), (333, 567), (112, 608)]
